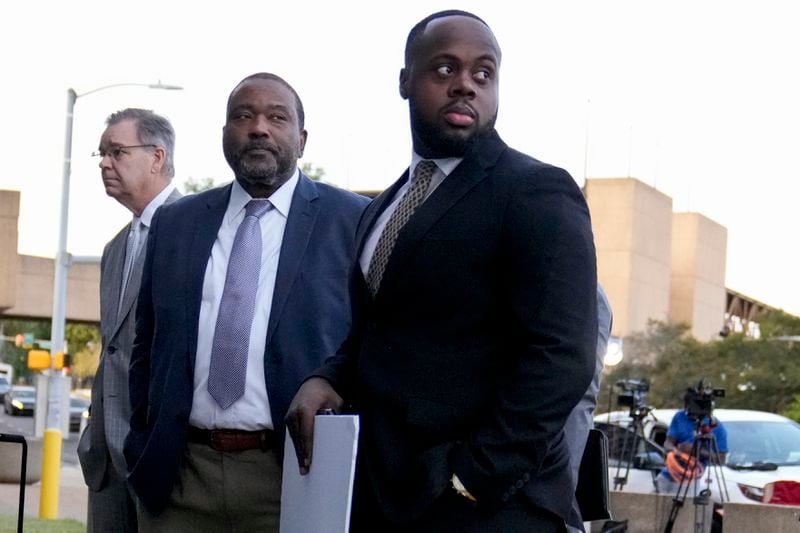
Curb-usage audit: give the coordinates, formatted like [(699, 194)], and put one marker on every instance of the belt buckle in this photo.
[(216, 439)]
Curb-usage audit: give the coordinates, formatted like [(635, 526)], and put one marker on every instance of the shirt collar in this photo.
[(446, 164), (155, 203), (281, 199)]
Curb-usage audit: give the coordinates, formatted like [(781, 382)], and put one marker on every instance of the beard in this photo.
[(259, 171), (441, 143)]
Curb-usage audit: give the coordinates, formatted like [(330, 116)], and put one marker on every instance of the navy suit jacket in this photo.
[(309, 318), (480, 340)]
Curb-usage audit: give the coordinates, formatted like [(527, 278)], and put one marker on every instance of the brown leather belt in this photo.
[(232, 440)]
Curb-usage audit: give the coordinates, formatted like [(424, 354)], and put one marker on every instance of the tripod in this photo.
[(703, 446), (631, 444)]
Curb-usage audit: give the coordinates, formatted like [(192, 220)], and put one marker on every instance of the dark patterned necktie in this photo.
[(228, 370), (412, 199)]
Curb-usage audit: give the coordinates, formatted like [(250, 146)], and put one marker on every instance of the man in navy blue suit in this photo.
[(225, 331)]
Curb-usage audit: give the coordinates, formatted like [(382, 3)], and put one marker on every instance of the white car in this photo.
[(763, 451)]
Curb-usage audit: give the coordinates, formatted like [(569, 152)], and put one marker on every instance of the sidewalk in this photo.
[(72, 498)]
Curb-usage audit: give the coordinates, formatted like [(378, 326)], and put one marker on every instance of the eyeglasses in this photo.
[(116, 152)]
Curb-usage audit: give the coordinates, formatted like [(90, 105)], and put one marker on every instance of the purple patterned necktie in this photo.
[(226, 375), (412, 199)]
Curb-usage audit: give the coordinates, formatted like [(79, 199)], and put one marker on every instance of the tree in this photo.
[(191, 185), (17, 356), (314, 172), (84, 345), (777, 323), (759, 374)]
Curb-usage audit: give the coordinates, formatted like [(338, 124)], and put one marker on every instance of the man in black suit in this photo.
[(244, 292), (475, 321)]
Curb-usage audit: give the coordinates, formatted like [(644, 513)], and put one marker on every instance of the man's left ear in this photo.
[(403, 83), (303, 139), (159, 160)]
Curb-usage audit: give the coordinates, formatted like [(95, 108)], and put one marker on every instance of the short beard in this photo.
[(260, 175), (442, 145)]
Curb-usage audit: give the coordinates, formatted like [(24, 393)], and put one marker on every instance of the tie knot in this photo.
[(256, 208), (424, 170)]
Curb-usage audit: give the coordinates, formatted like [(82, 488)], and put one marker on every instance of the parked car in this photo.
[(78, 409), (763, 451), (20, 400), (5, 386)]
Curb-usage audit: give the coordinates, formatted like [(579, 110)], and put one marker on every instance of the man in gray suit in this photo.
[(580, 420), (136, 162)]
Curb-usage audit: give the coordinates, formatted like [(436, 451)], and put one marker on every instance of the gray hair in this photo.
[(151, 128)]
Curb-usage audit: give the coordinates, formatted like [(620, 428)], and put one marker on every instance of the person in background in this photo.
[(244, 292), (136, 163), (580, 420), (681, 465)]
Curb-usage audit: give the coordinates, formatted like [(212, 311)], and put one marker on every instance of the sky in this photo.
[(698, 99)]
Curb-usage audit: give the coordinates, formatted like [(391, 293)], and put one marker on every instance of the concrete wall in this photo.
[(34, 290), (9, 213), (650, 512), (697, 295), (633, 234)]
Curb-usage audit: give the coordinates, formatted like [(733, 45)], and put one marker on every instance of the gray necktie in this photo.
[(131, 252), (226, 375), (412, 199)]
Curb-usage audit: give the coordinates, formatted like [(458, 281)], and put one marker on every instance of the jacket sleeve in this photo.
[(550, 286)]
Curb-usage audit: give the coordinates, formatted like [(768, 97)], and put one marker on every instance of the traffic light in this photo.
[(38, 359)]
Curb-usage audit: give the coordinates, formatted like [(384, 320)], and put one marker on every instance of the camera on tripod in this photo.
[(700, 400), (632, 395)]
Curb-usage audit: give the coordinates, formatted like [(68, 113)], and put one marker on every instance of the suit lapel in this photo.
[(135, 276), (299, 226), (113, 263), (208, 220), (472, 170), (374, 209)]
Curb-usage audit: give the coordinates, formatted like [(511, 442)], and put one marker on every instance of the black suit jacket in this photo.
[(480, 340), (310, 316)]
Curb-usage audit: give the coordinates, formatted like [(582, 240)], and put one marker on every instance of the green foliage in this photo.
[(314, 172), (756, 374), (778, 323), (80, 339), (17, 357), (793, 411), (84, 345), (191, 185), (8, 524)]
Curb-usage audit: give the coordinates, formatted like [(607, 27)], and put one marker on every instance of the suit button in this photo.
[(112, 349), (504, 497), (526, 477), (519, 484), (512, 490)]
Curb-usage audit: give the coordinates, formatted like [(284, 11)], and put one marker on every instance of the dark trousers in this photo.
[(452, 513)]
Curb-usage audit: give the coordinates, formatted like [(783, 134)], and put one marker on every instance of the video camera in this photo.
[(700, 400), (632, 395)]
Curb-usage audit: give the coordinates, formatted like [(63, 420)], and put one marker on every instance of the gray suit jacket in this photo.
[(100, 445), (580, 420)]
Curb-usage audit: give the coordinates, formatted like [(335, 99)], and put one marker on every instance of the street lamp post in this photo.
[(51, 453)]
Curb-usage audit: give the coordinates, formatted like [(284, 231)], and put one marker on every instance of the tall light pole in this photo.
[(51, 456)]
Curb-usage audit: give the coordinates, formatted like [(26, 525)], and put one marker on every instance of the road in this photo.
[(23, 425)]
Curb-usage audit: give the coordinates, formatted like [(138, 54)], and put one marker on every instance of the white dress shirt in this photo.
[(251, 411), (443, 169)]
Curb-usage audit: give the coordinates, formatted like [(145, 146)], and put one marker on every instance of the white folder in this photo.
[(320, 501)]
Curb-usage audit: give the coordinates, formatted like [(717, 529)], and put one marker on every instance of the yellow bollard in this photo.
[(51, 472)]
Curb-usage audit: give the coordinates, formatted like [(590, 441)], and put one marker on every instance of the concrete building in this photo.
[(654, 263), (26, 282)]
